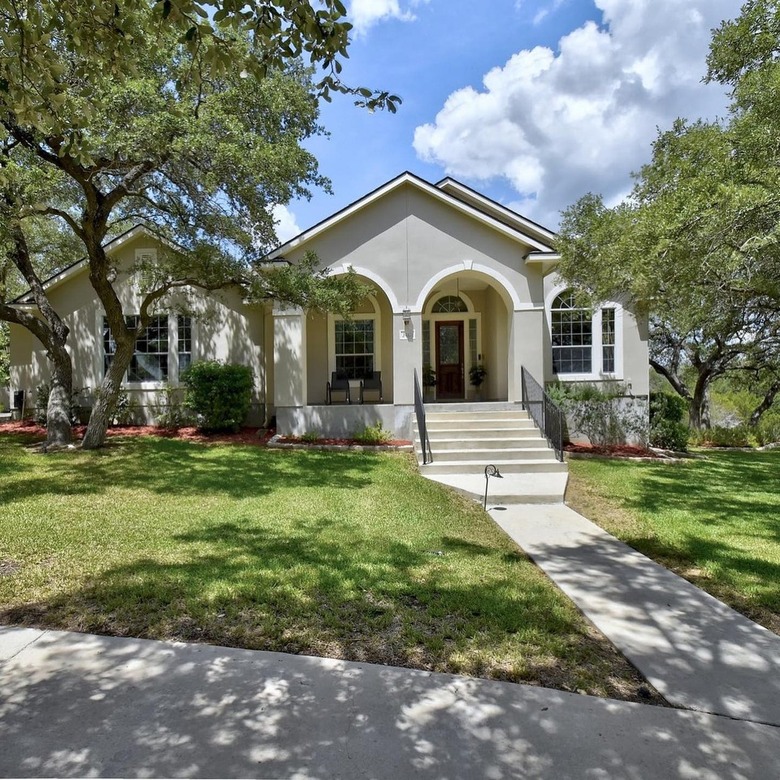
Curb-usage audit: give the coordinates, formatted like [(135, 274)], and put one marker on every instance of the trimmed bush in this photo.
[(219, 394), (667, 430), (373, 434)]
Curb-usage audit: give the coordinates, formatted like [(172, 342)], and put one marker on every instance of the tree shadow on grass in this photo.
[(171, 467), (300, 590)]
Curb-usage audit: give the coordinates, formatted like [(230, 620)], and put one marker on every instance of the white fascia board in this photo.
[(80, 265), (424, 186), (523, 223), (545, 258)]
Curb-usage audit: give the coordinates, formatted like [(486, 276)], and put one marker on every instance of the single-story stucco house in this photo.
[(458, 281)]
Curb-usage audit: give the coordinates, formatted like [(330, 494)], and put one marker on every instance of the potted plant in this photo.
[(477, 374), (429, 382)]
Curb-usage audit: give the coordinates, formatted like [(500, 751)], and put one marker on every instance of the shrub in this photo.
[(601, 415), (42, 393), (219, 394), (310, 436), (722, 436), (667, 430), (373, 434), (169, 411)]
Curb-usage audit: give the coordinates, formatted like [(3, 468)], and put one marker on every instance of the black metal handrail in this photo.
[(422, 430), (544, 412)]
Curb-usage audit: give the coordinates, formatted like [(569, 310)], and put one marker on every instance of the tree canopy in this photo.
[(186, 117), (696, 246)]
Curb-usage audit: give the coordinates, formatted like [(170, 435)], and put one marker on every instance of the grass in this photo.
[(347, 555), (714, 519)]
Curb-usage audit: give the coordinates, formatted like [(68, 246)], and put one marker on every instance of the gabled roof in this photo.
[(55, 280), (455, 195)]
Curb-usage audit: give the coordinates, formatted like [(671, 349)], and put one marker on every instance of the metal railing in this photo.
[(422, 430), (548, 417)]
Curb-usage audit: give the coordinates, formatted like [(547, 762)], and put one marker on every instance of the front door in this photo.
[(449, 360)]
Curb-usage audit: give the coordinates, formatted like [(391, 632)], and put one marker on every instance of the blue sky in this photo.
[(532, 102)]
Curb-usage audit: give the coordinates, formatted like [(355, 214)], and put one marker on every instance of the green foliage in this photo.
[(311, 436), (219, 394), (5, 356), (169, 411), (42, 393), (373, 434), (667, 430), (723, 436), (697, 245), (428, 376), (477, 374), (604, 416)]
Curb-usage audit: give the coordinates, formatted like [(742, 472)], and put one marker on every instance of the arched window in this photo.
[(572, 335), (448, 304)]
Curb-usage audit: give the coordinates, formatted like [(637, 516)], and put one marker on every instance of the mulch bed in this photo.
[(613, 451), (248, 435)]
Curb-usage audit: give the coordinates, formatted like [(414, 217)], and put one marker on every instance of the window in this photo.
[(184, 325), (354, 348), (608, 341), (572, 336), (449, 304), (150, 360)]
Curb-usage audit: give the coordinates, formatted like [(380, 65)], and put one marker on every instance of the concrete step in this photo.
[(534, 488), (484, 443), (492, 455), (473, 406), (497, 415), (473, 434), (480, 425), (514, 466)]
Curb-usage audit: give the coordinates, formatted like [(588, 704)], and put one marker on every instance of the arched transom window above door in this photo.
[(449, 304)]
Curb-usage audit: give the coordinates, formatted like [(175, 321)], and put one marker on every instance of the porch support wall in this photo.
[(407, 356), (289, 357), (526, 348)]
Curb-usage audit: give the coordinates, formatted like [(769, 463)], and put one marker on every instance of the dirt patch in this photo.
[(9, 567)]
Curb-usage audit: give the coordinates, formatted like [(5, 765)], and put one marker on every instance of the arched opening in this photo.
[(466, 323), (353, 348)]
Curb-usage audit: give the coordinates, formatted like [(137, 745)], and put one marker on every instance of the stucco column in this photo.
[(289, 356), (527, 344), (407, 355)]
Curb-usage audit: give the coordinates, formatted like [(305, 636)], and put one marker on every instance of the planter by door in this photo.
[(450, 382)]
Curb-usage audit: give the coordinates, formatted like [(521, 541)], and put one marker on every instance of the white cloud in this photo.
[(556, 125), (365, 13), (286, 225)]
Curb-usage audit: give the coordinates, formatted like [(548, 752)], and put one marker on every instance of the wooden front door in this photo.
[(449, 360)]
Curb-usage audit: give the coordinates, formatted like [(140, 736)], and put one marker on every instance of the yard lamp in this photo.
[(490, 471)]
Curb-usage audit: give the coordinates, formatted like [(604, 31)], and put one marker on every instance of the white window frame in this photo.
[(173, 379), (596, 373), (375, 316)]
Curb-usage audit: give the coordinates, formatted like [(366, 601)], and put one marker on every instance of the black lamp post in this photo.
[(490, 471)]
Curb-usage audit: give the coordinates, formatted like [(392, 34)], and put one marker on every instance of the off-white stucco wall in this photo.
[(224, 328)]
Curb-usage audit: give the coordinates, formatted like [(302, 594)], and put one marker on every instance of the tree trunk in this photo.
[(766, 403), (59, 432), (107, 396), (699, 407)]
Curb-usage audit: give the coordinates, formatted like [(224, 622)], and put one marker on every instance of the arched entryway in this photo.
[(466, 323)]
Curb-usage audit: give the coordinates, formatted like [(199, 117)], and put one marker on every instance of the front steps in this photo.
[(465, 438)]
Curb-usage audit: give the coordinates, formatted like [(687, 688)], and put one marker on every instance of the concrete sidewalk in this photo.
[(81, 705), (699, 653)]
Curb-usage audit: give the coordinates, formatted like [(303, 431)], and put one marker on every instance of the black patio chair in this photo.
[(372, 382), (339, 384)]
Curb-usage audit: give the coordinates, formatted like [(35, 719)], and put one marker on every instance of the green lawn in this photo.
[(347, 555), (714, 519)]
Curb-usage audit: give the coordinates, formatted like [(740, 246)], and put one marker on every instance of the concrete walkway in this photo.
[(80, 705), (699, 653)]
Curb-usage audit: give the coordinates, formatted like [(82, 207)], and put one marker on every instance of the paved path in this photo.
[(699, 653), (81, 705)]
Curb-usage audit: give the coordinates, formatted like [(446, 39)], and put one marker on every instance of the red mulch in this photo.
[(342, 442), (258, 436), (613, 451)]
